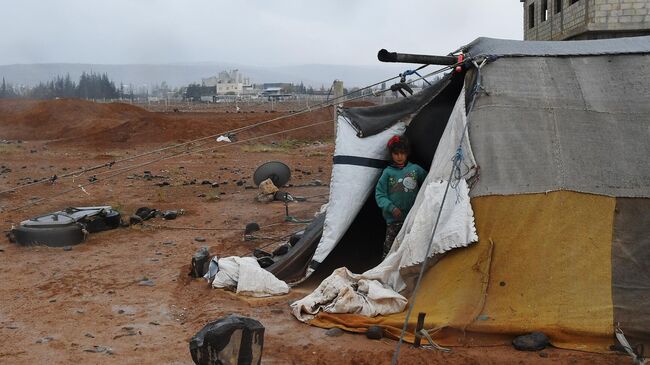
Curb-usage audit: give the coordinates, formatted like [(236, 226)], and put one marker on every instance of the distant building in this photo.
[(229, 82), (585, 19)]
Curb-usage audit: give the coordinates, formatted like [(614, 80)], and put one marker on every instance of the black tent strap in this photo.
[(360, 161)]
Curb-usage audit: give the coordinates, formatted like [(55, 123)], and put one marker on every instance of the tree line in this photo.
[(90, 86)]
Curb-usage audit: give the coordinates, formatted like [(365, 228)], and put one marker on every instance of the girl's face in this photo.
[(399, 157)]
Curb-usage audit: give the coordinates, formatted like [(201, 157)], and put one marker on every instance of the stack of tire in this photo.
[(66, 227)]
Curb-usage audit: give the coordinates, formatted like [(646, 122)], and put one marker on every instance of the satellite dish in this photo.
[(277, 171)]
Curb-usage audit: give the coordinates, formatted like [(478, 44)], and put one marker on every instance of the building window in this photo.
[(558, 6), (544, 13), (531, 16)]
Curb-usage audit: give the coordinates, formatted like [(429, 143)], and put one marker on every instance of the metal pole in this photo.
[(385, 56), (337, 88)]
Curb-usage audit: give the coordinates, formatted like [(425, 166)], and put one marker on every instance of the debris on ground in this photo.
[(334, 332), (230, 340), (200, 263), (375, 333), (531, 342)]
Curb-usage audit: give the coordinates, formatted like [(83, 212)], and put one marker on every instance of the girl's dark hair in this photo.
[(399, 144)]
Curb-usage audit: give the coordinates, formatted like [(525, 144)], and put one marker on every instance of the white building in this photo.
[(228, 82)]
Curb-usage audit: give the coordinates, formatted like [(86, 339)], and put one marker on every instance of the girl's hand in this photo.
[(397, 213)]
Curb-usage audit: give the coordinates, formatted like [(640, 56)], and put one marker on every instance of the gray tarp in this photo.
[(556, 123), (510, 48), (368, 121)]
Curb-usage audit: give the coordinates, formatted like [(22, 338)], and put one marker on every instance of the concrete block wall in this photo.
[(587, 19)]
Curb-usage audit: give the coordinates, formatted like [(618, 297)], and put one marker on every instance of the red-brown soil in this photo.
[(55, 304)]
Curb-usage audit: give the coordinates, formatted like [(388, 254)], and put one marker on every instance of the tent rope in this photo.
[(189, 151), (129, 168), (307, 109), (456, 160)]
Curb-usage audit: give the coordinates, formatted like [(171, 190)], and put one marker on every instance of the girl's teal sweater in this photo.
[(397, 188)]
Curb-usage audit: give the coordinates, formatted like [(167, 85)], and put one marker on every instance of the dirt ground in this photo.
[(86, 305)]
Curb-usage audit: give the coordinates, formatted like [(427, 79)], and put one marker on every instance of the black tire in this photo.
[(50, 236)]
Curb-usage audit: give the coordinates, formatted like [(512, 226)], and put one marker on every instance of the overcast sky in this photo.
[(255, 32)]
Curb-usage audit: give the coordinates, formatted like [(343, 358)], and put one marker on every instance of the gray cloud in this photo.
[(256, 32)]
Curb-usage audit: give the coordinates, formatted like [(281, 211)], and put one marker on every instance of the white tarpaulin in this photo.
[(345, 292), (351, 184), (245, 276), (455, 229)]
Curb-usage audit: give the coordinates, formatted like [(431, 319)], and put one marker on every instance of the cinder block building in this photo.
[(546, 20)]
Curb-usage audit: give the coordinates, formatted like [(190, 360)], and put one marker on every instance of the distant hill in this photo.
[(183, 74)]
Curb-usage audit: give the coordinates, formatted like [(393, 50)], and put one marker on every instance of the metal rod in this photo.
[(385, 56), (418, 327)]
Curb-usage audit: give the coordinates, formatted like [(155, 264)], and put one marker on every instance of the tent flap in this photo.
[(368, 121)]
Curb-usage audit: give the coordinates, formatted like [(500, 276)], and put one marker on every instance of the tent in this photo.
[(546, 223)]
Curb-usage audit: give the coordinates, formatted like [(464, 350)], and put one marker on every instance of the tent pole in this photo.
[(385, 56)]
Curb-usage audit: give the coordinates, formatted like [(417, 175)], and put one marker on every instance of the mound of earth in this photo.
[(117, 125), (64, 118)]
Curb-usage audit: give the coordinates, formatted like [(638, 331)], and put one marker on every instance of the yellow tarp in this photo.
[(543, 263)]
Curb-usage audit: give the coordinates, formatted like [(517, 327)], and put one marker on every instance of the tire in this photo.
[(67, 235)]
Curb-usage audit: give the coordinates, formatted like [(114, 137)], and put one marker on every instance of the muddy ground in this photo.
[(86, 305)]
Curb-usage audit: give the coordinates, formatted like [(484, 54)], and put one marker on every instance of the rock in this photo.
[(264, 198), (162, 183), (267, 187), (317, 183), (134, 219), (240, 183), (215, 185), (265, 261), (295, 238), (230, 340), (146, 282), (168, 242), (201, 195), (261, 253), (89, 335), (206, 182), (543, 354), (169, 214), (100, 349), (281, 250), (374, 333), (251, 227), (531, 342), (199, 239), (200, 262), (334, 332), (146, 213), (44, 339), (67, 248)]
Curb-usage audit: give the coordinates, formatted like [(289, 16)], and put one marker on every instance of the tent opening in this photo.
[(360, 248)]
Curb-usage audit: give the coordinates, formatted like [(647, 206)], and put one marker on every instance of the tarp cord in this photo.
[(209, 139), (425, 261), (636, 353), (409, 73), (322, 105)]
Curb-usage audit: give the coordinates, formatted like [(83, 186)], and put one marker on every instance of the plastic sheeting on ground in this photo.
[(345, 292), (245, 276)]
